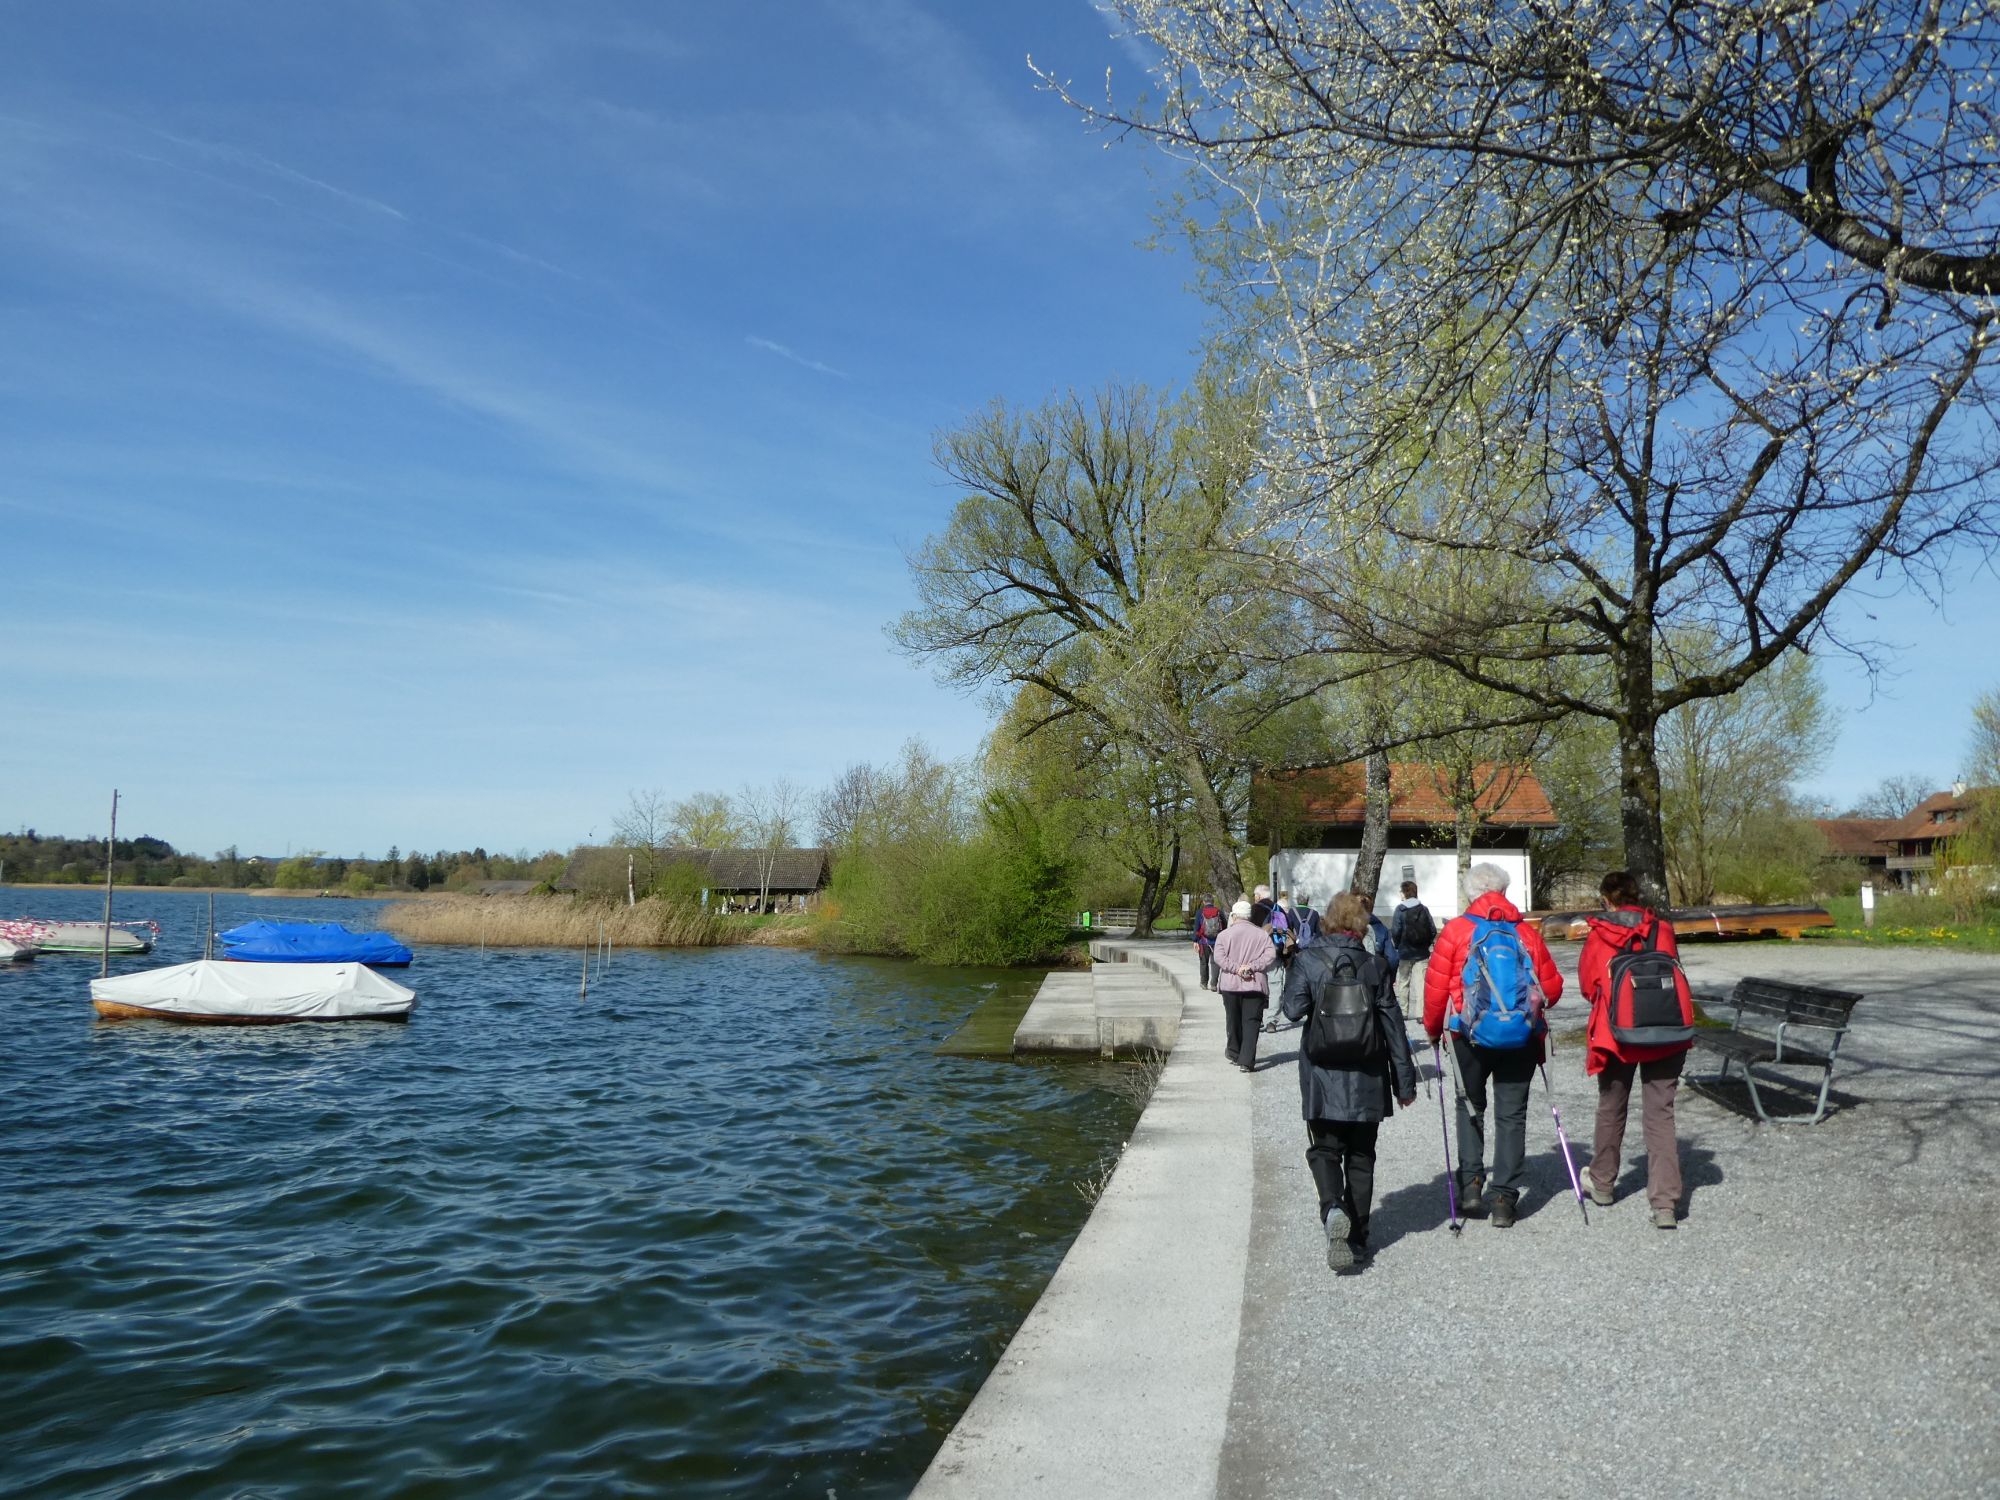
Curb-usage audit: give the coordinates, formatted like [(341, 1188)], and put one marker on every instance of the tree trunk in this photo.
[(1639, 809), (1214, 831), (1374, 829), (1157, 889), (1151, 894), (1467, 820)]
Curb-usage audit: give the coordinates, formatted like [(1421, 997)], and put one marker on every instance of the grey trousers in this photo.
[(1510, 1074)]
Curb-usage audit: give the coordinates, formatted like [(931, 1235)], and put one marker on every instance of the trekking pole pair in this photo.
[(1451, 1178)]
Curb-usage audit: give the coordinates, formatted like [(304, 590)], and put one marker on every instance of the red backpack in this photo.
[(1651, 1005)]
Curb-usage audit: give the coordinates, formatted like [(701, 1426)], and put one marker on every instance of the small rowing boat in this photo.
[(213, 993)]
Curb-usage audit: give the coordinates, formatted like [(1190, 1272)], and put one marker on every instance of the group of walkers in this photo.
[(1479, 986)]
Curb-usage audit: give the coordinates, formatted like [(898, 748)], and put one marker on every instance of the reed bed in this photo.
[(559, 922)]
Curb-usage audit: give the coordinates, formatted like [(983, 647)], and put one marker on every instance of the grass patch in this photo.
[(1909, 921), (559, 922)]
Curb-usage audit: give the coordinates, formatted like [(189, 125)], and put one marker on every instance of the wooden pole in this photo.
[(208, 943), (110, 847)]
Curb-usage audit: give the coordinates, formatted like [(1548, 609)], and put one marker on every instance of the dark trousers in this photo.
[(1510, 1072), (1207, 965), (1341, 1157), (1658, 1081), (1244, 1014)]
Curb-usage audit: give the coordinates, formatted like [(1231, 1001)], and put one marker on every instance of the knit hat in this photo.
[(1241, 908)]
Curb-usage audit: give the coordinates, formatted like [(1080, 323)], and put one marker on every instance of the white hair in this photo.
[(1482, 878), (1262, 893)]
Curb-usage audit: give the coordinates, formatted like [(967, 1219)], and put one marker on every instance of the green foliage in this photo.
[(680, 882), (300, 873), (926, 876), (357, 882), (1774, 857), (1727, 765)]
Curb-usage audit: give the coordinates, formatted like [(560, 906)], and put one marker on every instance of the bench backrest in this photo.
[(1799, 1004)]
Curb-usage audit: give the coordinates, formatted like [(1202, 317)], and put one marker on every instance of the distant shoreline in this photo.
[(328, 894)]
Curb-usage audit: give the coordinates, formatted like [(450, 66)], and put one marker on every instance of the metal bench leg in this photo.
[(1756, 1103)]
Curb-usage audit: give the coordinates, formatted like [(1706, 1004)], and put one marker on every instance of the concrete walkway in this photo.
[(1821, 1324)]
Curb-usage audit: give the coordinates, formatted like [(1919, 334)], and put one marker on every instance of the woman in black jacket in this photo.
[(1345, 1103)]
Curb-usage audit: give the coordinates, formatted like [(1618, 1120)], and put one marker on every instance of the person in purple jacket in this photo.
[(1243, 957)]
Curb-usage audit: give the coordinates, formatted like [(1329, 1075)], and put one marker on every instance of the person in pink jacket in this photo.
[(1243, 957)]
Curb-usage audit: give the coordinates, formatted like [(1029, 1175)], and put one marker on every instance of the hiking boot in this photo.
[(1503, 1210), (1339, 1253), (1472, 1201), (1602, 1197), (1361, 1256), (1663, 1218)]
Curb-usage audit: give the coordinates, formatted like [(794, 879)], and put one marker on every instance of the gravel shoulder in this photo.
[(1821, 1324)]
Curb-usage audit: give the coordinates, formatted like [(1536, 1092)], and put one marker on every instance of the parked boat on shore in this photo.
[(209, 992), (266, 942)]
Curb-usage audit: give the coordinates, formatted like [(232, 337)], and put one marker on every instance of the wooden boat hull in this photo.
[(113, 1010)]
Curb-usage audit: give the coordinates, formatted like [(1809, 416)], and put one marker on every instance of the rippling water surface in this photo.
[(729, 1226)]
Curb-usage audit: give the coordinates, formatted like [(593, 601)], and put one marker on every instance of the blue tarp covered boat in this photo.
[(311, 943)]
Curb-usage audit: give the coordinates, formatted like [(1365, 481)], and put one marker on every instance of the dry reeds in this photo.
[(558, 922)]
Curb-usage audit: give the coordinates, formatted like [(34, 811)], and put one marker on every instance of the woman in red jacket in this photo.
[(1506, 1073), (1629, 923)]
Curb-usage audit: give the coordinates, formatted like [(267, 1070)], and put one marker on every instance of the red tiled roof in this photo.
[(1512, 797), (1858, 838), (1922, 824)]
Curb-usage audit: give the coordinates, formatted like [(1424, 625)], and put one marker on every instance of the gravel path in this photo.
[(1822, 1323)]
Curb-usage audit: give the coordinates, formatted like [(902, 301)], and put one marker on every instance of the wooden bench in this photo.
[(1778, 1011)]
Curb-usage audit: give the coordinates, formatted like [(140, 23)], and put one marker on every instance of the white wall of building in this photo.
[(1319, 873)]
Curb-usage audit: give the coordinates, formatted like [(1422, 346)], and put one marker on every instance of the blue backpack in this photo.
[(1503, 1004)]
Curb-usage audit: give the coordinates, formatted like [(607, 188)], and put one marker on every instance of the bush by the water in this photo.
[(559, 922), (929, 873)]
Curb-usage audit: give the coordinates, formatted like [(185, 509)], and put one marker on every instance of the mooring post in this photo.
[(110, 848)]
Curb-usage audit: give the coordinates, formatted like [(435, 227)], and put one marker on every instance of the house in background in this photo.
[(1866, 843), (1940, 817), (735, 877), (1310, 821)]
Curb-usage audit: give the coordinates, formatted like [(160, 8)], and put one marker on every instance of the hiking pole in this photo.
[(1575, 1182), (1450, 1178)]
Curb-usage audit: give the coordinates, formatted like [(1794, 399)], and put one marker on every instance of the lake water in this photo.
[(728, 1226)]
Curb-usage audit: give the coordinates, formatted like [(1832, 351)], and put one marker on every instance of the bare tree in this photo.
[(644, 828), (771, 814), (1620, 323), (1893, 796), (844, 805)]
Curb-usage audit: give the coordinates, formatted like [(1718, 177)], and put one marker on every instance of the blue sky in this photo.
[(424, 424)]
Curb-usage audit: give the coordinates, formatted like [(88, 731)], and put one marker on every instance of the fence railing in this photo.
[(1115, 916)]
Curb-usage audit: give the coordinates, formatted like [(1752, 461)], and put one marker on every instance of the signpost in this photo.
[(1867, 903)]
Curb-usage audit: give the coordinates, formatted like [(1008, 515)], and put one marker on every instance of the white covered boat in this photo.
[(227, 994), (13, 950)]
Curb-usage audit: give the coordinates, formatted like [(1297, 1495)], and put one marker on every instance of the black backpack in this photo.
[(1419, 931), (1342, 1030)]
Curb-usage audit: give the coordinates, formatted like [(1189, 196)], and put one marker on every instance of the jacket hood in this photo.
[(1618, 925), (1495, 906)]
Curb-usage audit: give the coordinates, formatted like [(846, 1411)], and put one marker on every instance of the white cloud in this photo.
[(784, 351)]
